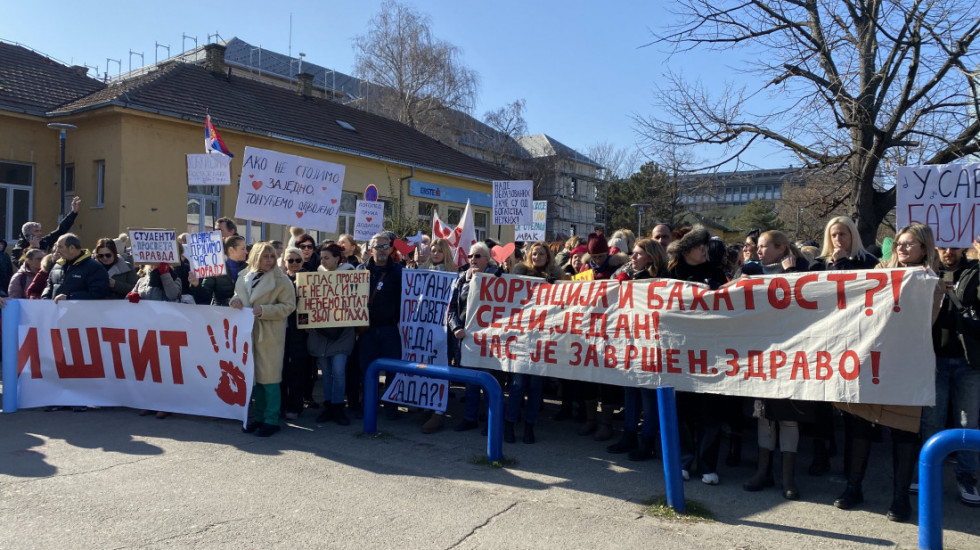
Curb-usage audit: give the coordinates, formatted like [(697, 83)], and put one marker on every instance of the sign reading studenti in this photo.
[(153, 246), (535, 231), (289, 190), (839, 336), (418, 391), (206, 253), (946, 197), (332, 298), (368, 219), (205, 169), (151, 355), (424, 302), (512, 202)]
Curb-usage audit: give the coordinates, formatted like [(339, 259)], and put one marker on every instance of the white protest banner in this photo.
[(151, 355), (418, 391), (535, 231), (840, 336), (153, 246), (945, 197), (289, 190), (205, 169), (332, 298), (368, 219), (206, 253), (512, 202), (425, 298)]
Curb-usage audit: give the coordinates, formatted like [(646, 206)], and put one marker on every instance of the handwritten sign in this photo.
[(418, 391), (208, 169), (946, 197), (153, 246), (332, 299), (424, 301), (512, 202), (368, 219), (205, 253), (535, 231), (587, 275), (289, 190)]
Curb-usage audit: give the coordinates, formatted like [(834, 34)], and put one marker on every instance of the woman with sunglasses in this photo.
[(307, 246), (295, 359), (122, 277)]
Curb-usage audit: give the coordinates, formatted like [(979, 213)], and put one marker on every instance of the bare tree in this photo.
[(617, 162), (847, 85), (416, 77), (506, 124)]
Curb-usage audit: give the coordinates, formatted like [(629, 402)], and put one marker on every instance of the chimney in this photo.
[(80, 70), (214, 59), (305, 84)]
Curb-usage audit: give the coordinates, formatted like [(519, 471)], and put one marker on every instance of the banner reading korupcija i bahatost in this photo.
[(840, 336)]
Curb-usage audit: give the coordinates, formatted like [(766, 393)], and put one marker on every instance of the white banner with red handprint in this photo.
[(152, 355)]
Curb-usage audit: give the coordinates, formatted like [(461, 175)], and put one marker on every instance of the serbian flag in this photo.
[(460, 238), (213, 142)]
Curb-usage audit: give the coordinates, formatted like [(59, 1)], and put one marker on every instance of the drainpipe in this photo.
[(401, 190)]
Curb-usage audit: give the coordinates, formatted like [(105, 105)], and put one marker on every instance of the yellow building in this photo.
[(127, 157)]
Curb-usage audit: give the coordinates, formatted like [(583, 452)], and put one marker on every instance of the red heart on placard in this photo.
[(324, 188), (256, 184), (333, 201), (368, 219), (403, 248), (299, 214), (250, 176), (501, 253)]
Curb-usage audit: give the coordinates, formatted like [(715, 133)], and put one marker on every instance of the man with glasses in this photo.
[(382, 340), (31, 236)]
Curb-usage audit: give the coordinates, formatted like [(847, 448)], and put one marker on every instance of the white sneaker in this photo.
[(968, 494), (685, 475), (914, 489), (710, 479)]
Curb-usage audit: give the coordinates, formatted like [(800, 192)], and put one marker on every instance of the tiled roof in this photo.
[(190, 91), (543, 145), (35, 84)]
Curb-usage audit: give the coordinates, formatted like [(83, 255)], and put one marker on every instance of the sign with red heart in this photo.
[(501, 253), (403, 248), (368, 219)]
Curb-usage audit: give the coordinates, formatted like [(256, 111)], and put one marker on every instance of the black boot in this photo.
[(763, 475), (338, 414), (646, 450), (859, 451), (790, 492), (509, 432), (326, 415), (734, 457), (821, 458), (625, 444), (528, 433), (903, 461)]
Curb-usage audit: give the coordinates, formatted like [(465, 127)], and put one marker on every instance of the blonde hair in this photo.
[(923, 234), (529, 264), (857, 247), (778, 238), (448, 262), (258, 249)]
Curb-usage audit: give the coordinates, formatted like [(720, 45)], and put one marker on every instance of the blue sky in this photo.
[(578, 64)]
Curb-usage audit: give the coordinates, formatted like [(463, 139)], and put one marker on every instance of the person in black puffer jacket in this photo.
[(76, 276), (382, 340)]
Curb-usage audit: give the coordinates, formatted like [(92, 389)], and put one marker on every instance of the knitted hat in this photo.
[(598, 244), (580, 249)]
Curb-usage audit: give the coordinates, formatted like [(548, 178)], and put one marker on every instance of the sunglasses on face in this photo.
[(294, 261), (474, 256), (105, 256), (381, 246), (307, 246)]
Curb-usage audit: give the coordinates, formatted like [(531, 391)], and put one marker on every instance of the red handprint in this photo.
[(232, 388)]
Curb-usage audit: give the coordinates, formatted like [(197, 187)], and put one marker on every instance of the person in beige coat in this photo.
[(272, 297)]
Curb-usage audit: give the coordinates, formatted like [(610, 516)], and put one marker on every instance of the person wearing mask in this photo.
[(382, 339), (271, 296), (29, 267), (331, 347), (122, 277)]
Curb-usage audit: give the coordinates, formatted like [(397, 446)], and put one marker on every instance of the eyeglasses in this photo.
[(294, 261), (474, 256), (908, 244), (105, 256), (307, 246), (381, 246)]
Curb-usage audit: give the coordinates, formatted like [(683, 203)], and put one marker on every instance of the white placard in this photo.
[(368, 220), (512, 202), (424, 301), (945, 197), (153, 246), (289, 190), (535, 231), (418, 391), (206, 253), (205, 169)]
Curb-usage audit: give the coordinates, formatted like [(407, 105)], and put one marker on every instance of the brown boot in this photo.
[(590, 414), (433, 424), (762, 477)]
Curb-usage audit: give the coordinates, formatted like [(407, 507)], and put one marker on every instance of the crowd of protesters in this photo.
[(262, 278)]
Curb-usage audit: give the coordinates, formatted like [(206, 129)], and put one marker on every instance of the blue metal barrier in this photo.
[(931, 481), (670, 441), (11, 320), (495, 434)]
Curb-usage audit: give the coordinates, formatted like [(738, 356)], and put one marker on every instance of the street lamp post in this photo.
[(639, 215), (63, 131)]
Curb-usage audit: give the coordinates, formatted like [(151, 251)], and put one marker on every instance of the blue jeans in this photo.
[(635, 401), (334, 373), (957, 379), (521, 384)]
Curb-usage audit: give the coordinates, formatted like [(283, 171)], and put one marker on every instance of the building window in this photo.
[(574, 188), (453, 215), (100, 183), (348, 208), (69, 187), (480, 224), (254, 232), (389, 210), (425, 210), (16, 198), (202, 207)]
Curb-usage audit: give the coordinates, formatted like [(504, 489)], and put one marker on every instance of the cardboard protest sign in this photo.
[(424, 302), (368, 219), (840, 336), (206, 253), (945, 197), (332, 298), (153, 246), (512, 202), (536, 229), (587, 275), (289, 190), (151, 355), (418, 391), (205, 169)]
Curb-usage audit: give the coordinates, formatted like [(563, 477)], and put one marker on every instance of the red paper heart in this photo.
[(299, 214), (250, 176), (403, 248), (368, 219), (333, 201), (324, 188), (501, 253), (256, 184)]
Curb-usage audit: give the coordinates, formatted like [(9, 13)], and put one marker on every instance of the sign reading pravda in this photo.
[(840, 336), (332, 299)]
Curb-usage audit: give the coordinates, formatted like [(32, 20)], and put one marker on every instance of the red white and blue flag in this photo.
[(213, 142)]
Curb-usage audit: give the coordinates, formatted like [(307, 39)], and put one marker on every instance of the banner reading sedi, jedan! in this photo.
[(842, 336), (151, 355)]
